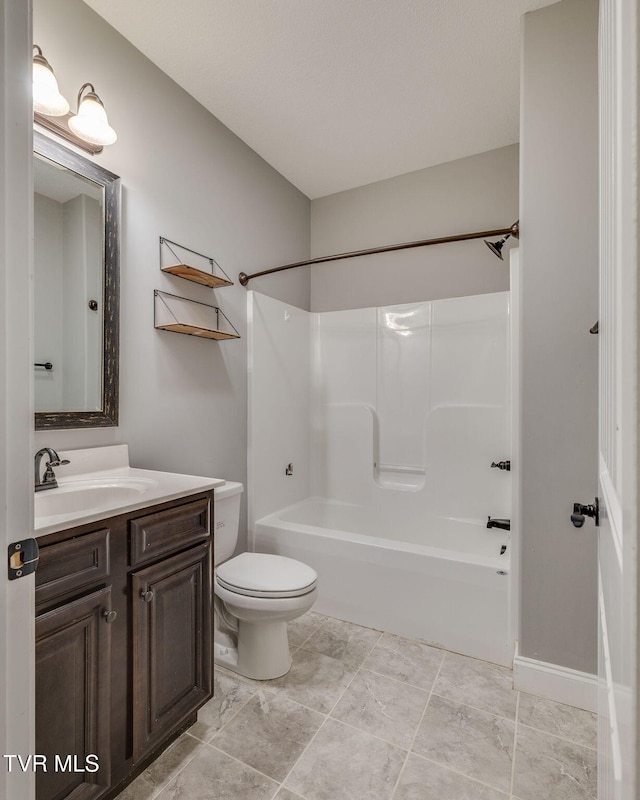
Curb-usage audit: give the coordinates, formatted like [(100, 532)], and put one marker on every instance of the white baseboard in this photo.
[(569, 686)]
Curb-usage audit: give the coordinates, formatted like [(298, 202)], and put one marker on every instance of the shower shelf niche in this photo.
[(204, 277), (181, 315)]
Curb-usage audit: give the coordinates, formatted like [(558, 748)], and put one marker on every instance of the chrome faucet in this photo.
[(48, 479)]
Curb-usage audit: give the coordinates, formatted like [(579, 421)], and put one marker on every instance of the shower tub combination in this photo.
[(450, 589), (393, 483)]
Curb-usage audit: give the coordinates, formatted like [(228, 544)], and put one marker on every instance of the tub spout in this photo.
[(504, 524)]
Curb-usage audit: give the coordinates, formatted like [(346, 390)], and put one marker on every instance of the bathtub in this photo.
[(444, 581)]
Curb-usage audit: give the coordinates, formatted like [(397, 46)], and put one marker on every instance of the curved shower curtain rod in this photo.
[(514, 231)]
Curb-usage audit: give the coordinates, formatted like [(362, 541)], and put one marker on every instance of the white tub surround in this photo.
[(391, 418), (98, 482)]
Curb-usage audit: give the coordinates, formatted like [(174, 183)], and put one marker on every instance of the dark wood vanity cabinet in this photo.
[(171, 644), (123, 644), (73, 682)]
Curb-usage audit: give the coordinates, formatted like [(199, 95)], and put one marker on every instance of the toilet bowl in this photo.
[(255, 595)]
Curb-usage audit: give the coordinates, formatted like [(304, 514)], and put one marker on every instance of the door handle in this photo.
[(581, 511)]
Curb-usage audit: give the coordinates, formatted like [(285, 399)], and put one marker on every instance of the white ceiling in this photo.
[(339, 93)]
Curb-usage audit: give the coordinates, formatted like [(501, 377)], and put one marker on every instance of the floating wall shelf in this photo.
[(180, 315), (214, 277)]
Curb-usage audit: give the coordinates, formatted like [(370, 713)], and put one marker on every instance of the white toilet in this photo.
[(256, 594)]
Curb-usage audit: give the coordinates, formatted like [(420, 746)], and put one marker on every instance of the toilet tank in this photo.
[(226, 519)]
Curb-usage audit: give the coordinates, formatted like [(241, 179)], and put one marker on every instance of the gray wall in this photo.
[(471, 194), (48, 275), (187, 177), (559, 262)]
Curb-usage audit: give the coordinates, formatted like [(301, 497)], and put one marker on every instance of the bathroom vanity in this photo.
[(123, 635)]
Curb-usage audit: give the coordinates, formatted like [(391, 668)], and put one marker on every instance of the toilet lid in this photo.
[(264, 575)]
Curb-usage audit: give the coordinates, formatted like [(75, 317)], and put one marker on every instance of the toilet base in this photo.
[(251, 632), (262, 653)]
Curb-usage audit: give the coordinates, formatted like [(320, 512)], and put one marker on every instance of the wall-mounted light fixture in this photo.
[(46, 95), (88, 128), (90, 122)]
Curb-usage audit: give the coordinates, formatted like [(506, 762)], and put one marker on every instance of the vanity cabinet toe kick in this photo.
[(123, 644)]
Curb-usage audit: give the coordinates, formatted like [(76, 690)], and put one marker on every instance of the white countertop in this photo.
[(93, 469)]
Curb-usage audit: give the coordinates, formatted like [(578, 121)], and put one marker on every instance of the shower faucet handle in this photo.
[(581, 511), (506, 465)]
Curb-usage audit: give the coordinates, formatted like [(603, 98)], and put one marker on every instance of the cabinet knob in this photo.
[(110, 616), (147, 596)]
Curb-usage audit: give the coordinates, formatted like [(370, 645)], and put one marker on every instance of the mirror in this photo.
[(77, 293)]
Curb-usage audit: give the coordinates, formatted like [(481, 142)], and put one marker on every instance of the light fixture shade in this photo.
[(46, 95), (91, 123)]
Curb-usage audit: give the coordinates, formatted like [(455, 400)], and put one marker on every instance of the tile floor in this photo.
[(370, 716)]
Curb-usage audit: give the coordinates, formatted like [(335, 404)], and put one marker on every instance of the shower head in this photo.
[(496, 247)]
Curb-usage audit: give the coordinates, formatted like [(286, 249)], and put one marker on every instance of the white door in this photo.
[(618, 438), (16, 407)]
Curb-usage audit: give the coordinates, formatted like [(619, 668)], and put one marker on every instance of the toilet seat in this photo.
[(266, 575)]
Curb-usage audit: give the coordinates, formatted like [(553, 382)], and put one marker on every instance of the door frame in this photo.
[(17, 617), (619, 442)]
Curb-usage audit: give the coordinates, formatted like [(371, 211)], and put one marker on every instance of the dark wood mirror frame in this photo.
[(108, 415)]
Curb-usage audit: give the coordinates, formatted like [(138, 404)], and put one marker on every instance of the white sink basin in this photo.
[(84, 495), (98, 482)]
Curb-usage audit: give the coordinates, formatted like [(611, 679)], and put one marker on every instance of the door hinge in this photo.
[(23, 558)]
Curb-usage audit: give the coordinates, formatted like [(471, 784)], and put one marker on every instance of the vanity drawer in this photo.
[(74, 564), (168, 531)]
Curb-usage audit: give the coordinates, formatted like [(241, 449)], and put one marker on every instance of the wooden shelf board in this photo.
[(197, 275), (192, 330)]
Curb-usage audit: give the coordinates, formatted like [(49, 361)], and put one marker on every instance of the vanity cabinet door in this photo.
[(172, 657), (73, 675)]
